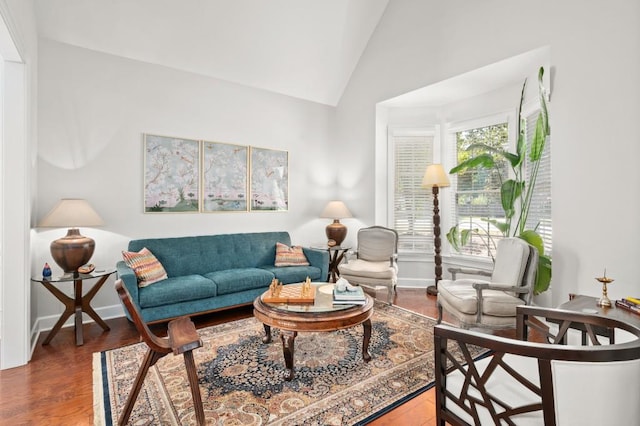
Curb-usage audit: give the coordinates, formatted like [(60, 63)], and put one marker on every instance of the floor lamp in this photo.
[(435, 178)]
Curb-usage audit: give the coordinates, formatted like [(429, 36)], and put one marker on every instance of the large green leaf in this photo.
[(502, 226), (459, 238), (482, 160), (522, 141), (513, 159), (539, 139), (543, 279), (509, 192), (533, 238), (543, 103), (453, 236)]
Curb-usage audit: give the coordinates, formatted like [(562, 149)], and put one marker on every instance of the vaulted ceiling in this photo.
[(302, 48)]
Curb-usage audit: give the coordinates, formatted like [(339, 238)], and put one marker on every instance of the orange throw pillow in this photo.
[(290, 256), (146, 266)]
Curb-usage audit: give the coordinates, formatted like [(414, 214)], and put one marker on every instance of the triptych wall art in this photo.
[(186, 175)]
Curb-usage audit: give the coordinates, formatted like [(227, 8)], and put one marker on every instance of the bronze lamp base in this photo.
[(336, 231), (72, 251)]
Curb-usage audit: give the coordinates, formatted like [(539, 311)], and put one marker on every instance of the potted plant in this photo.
[(516, 192)]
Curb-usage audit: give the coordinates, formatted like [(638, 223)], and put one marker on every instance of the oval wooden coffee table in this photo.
[(322, 315)]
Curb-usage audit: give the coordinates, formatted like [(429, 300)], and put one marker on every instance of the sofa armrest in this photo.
[(318, 258), (130, 281)]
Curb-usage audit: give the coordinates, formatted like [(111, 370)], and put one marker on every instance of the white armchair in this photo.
[(375, 262), (492, 303)]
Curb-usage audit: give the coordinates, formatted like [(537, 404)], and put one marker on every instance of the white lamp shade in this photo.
[(336, 210), (71, 213), (435, 176)]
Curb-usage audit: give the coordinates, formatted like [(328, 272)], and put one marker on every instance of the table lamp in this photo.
[(73, 250), (435, 178), (336, 231)]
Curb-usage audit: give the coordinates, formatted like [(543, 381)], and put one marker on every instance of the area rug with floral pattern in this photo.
[(242, 379)]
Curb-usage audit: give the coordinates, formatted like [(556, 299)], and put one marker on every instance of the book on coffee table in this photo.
[(350, 302), (356, 294)]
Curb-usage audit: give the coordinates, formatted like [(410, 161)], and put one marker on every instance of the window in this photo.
[(477, 191), (477, 195), (412, 210)]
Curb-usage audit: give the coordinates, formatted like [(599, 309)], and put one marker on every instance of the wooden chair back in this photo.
[(182, 338)]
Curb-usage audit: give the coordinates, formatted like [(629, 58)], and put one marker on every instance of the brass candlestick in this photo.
[(604, 300)]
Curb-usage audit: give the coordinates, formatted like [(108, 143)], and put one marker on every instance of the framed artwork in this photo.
[(269, 180), (225, 174), (171, 174)]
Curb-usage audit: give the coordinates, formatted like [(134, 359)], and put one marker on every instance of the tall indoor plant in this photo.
[(515, 194)]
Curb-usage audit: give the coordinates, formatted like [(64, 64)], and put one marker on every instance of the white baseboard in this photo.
[(414, 283)]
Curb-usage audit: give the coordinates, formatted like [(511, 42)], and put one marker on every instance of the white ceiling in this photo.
[(301, 48)]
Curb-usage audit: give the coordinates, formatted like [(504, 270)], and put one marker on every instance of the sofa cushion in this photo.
[(295, 274), (177, 289), (235, 280), (290, 256), (145, 265)]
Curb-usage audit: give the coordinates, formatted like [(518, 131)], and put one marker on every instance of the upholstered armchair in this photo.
[(553, 378), (492, 303), (374, 264)]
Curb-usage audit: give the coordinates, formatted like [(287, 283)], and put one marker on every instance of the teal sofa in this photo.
[(214, 272)]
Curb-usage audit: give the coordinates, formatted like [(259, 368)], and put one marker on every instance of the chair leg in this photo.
[(439, 312), (150, 358), (193, 384)]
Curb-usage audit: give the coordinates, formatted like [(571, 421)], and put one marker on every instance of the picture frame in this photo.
[(269, 180), (171, 174), (225, 177)]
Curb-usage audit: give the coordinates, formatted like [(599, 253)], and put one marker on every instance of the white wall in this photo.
[(93, 110), (596, 96)]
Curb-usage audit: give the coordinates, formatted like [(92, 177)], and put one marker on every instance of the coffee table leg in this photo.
[(267, 334), (365, 340), (288, 338)]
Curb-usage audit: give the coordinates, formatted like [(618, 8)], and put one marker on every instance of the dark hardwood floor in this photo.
[(55, 388)]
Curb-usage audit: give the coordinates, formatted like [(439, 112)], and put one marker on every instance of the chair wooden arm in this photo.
[(183, 335)]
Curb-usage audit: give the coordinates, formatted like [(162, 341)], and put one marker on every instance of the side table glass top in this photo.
[(323, 301), (70, 276)]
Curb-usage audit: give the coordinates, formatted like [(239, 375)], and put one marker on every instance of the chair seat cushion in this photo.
[(464, 298), (363, 268)]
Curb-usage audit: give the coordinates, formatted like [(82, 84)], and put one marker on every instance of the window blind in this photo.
[(412, 204)]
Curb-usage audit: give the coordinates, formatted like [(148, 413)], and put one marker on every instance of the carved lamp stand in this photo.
[(435, 178)]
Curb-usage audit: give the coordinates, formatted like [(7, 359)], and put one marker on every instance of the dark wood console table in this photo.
[(588, 304)]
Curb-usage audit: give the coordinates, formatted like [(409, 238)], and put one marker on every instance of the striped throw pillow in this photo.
[(146, 266), (290, 256)]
